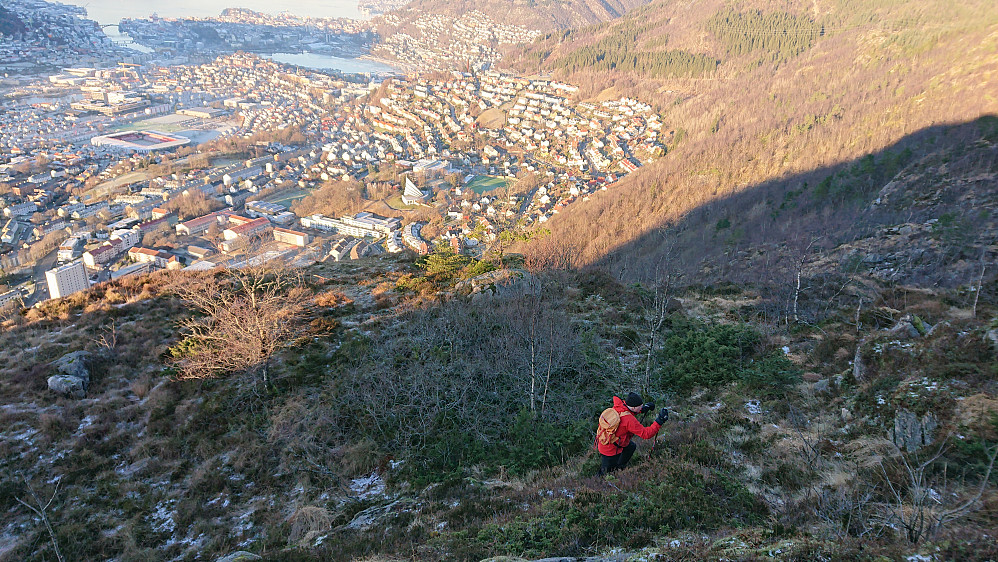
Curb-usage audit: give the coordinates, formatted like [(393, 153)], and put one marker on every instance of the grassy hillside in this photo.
[(811, 111), (531, 14), (404, 424)]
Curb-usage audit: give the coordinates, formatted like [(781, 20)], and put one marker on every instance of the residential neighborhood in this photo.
[(125, 168)]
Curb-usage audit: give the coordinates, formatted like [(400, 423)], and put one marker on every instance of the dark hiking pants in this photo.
[(618, 461)]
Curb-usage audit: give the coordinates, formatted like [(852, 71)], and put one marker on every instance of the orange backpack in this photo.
[(609, 421)]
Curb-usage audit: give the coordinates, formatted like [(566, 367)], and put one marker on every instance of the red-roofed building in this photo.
[(100, 255), (147, 255), (201, 224), (149, 226), (254, 226)]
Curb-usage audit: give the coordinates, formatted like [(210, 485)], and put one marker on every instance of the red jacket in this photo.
[(629, 425)]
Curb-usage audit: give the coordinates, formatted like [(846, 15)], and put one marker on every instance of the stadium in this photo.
[(140, 141)]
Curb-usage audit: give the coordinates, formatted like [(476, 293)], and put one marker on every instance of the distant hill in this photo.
[(542, 15), (808, 114)]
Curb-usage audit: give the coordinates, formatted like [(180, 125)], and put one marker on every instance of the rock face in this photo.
[(911, 432), (501, 284), (74, 377)]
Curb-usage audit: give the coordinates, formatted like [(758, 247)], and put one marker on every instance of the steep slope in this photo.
[(532, 14), (414, 423), (813, 128)]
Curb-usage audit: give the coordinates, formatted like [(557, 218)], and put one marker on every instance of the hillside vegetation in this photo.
[(813, 110), (410, 419)]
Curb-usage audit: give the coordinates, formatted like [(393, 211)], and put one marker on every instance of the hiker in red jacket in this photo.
[(618, 424)]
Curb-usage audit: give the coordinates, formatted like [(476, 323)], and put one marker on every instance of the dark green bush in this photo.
[(699, 355), (528, 444), (665, 498)]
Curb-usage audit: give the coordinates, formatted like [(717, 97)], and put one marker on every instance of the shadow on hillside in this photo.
[(922, 211)]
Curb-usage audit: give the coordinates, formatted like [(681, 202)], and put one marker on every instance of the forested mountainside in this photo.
[(531, 14), (815, 106)]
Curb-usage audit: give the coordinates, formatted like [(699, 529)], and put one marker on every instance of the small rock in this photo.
[(822, 386), (846, 415), (73, 387), (993, 336), (240, 556), (372, 516), (904, 330)]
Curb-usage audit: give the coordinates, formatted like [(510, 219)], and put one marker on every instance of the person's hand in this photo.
[(647, 407), (662, 416)]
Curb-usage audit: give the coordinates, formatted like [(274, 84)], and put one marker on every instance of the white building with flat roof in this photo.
[(360, 225), (67, 279)]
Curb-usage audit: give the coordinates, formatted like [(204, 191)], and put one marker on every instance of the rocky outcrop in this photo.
[(74, 364), (73, 376), (912, 432), (501, 284), (240, 556)]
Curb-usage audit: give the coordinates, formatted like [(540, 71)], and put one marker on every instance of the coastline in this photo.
[(397, 65)]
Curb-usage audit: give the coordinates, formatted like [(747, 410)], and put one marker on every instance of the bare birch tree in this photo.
[(243, 318)]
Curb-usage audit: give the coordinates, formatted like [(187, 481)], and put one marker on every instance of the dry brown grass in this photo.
[(307, 524)]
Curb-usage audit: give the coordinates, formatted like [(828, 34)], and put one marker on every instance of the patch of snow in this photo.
[(221, 501), (786, 350), (675, 543), (161, 520), (934, 496), (368, 486), (753, 407)]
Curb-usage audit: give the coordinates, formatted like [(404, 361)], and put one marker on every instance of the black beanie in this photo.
[(634, 400)]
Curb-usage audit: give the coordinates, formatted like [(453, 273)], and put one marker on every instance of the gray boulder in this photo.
[(73, 387), (503, 284), (74, 365), (240, 556), (992, 336), (911, 432)]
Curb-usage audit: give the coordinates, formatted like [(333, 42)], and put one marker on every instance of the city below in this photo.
[(197, 153)]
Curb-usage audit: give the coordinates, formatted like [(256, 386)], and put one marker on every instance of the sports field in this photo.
[(287, 197), (483, 184)]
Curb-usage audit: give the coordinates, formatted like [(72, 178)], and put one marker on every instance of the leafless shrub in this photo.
[(41, 509), (919, 505), (244, 317)]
